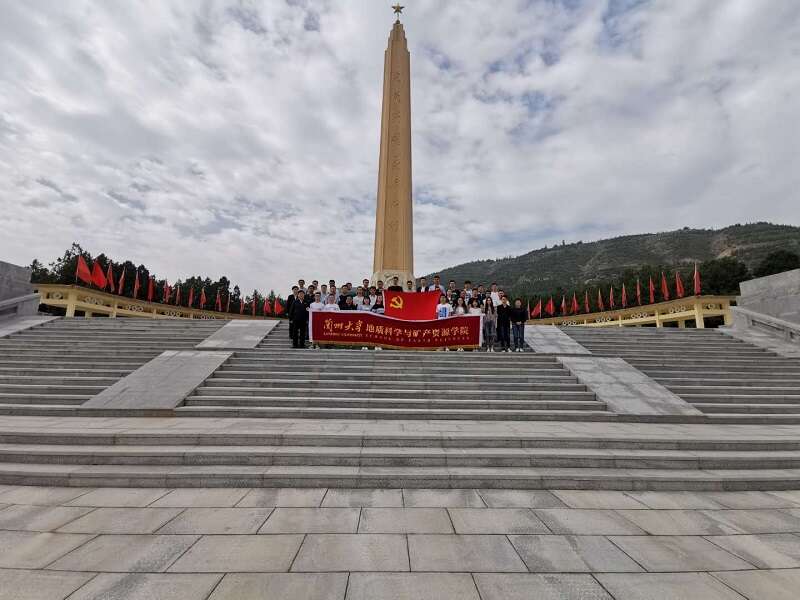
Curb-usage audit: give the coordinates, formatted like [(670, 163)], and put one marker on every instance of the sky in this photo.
[(241, 138)]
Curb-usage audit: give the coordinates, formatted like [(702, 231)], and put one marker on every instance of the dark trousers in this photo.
[(291, 330), (504, 335), (300, 331), (519, 335)]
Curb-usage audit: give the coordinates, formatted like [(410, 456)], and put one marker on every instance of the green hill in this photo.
[(577, 264)]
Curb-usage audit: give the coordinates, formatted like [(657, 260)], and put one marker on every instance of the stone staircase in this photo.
[(67, 361), (274, 416), (274, 380), (718, 374)]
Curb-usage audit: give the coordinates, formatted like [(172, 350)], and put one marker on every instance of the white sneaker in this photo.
[(460, 349), (364, 348), (378, 348)]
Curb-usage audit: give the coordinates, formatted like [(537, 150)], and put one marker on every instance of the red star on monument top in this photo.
[(398, 9)]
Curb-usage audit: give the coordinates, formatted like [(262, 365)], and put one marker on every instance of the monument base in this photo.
[(387, 274)]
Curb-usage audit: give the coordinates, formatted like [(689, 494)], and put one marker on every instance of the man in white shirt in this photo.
[(331, 304), (436, 286), (317, 304), (495, 294)]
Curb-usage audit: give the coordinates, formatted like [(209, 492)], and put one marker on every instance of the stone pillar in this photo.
[(394, 253), (699, 322)]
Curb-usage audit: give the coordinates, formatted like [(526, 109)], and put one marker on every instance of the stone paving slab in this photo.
[(571, 554), (404, 520), (30, 550), (666, 586), (122, 520), (297, 497), (312, 520), (460, 553), (125, 553), (239, 554), (624, 388), (753, 499), (680, 522), (363, 497), (352, 552), (520, 499), (597, 499), (496, 520), (48, 496), (148, 586), (547, 339), (422, 498), (770, 585), (586, 522), (494, 586), (203, 497), (281, 586), (120, 497), (161, 384), (238, 335), (411, 586), (39, 585), (765, 551), (217, 521), (678, 553), (39, 518), (675, 500)]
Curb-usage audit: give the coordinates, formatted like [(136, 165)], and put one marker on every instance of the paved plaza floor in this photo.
[(336, 544)]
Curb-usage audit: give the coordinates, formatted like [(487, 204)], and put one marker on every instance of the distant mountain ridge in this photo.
[(576, 264)]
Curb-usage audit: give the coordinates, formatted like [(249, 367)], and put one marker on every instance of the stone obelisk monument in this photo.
[(394, 252)]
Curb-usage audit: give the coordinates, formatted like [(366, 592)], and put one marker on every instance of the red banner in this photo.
[(412, 306), (361, 328)]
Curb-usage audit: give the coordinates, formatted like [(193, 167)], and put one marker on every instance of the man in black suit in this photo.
[(298, 314)]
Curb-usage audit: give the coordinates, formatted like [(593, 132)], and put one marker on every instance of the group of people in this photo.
[(503, 321)]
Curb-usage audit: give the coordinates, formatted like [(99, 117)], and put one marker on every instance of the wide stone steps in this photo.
[(537, 402), (43, 399), (57, 369), (261, 410), (393, 477), (57, 379), (51, 389), (749, 407), (377, 385), (395, 457), (408, 378)]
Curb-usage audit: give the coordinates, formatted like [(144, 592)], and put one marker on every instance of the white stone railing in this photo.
[(21, 305), (786, 329)]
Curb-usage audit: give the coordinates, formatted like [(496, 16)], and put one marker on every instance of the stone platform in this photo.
[(399, 544)]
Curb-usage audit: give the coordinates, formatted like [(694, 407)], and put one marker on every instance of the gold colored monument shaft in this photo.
[(394, 252)]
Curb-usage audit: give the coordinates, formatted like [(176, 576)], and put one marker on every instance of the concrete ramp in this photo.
[(161, 384), (548, 339), (16, 324), (624, 388), (238, 335)]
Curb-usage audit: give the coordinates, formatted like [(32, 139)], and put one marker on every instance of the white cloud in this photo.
[(241, 138)]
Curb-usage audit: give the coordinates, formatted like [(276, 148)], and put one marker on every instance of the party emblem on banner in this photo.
[(397, 303)]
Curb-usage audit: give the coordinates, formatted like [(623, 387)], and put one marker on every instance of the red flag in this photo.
[(253, 303), (98, 278), (638, 292), (611, 304), (697, 288), (551, 308), (624, 297), (203, 298), (121, 284), (664, 287), (151, 289), (586, 307), (575, 306), (279, 307), (82, 272), (241, 305), (411, 306), (266, 306), (228, 306), (136, 286), (167, 293), (652, 291), (679, 291), (600, 304), (218, 303), (537, 310), (110, 277), (563, 305), (191, 297), (178, 295)]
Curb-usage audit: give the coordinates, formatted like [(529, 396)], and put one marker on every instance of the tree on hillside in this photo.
[(723, 275), (777, 262)]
